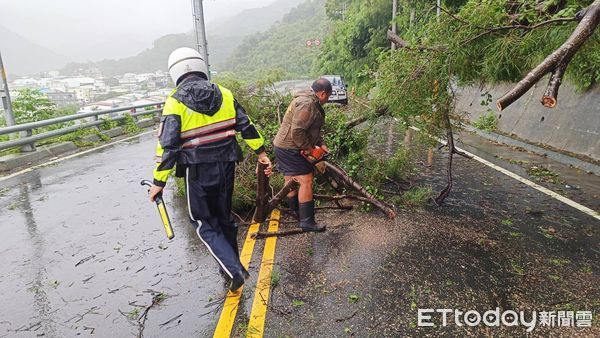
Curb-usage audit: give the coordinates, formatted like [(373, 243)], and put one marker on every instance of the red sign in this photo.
[(308, 43), (317, 42)]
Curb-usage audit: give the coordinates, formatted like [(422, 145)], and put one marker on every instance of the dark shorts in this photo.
[(291, 163)]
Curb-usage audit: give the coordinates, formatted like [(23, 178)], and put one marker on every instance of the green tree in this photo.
[(356, 43), (31, 105), (472, 42)]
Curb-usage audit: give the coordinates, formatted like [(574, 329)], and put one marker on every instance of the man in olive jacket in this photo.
[(300, 130)]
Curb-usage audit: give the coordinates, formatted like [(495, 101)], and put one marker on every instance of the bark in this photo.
[(557, 61), (274, 202), (550, 98), (339, 175), (262, 194)]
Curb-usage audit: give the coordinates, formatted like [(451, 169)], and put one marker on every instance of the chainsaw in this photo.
[(314, 155)]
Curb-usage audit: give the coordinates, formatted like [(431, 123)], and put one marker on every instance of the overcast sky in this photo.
[(83, 29)]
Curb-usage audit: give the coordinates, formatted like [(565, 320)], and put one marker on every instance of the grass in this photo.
[(134, 313), (275, 278), (487, 121), (159, 298), (297, 303), (129, 125), (507, 221), (417, 196)]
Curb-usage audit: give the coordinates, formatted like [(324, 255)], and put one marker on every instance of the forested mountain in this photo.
[(283, 46)]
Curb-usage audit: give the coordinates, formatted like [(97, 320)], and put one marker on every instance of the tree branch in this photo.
[(556, 62), (523, 27), (392, 37)]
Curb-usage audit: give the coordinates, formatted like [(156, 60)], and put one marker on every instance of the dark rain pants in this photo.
[(209, 192)]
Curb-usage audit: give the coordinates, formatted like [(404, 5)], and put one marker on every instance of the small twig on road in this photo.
[(89, 311), (85, 260), (170, 320), (347, 317)]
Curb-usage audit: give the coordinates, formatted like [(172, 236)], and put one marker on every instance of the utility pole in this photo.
[(6, 102), (200, 30), (394, 11), (439, 5)]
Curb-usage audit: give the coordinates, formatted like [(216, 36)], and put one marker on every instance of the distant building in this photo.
[(60, 98)]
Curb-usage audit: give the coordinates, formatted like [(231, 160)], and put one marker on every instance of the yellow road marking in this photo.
[(232, 301), (258, 315)]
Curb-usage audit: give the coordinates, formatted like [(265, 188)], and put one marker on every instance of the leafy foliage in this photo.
[(460, 49), (487, 121), (356, 41)]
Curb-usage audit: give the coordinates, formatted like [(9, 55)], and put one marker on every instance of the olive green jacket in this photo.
[(302, 123)]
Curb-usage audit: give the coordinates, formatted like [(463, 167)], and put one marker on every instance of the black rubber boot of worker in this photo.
[(306, 212), (293, 204), (238, 280)]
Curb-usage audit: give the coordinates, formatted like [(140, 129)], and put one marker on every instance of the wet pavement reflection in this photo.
[(84, 252)]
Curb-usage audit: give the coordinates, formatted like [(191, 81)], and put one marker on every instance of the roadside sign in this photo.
[(308, 43), (317, 42)]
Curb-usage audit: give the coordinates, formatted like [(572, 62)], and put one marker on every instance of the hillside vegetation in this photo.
[(283, 46)]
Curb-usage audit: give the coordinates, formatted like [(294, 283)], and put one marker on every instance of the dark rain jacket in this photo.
[(198, 125)]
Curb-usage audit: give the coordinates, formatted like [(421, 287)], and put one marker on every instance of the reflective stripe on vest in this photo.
[(227, 124), (197, 124), (209, 138)]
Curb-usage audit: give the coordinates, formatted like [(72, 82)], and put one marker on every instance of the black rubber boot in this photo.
[(293, 204), (306, 212), (238, 280)]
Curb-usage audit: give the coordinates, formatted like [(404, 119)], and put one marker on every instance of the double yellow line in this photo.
[(258, 315)]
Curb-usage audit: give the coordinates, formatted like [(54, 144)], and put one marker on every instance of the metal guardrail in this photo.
[(27, 139)]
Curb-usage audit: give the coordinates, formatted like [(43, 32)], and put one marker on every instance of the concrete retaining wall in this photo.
[(573, 125)]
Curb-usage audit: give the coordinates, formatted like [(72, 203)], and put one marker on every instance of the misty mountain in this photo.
[(23, 57), (253, 20), (223, 38)]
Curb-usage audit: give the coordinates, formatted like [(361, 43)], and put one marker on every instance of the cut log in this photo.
[(262, 195), (339, 175), (264, 204)]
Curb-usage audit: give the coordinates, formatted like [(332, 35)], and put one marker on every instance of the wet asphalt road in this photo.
[(83, 249), (495, 243), (82, 243)]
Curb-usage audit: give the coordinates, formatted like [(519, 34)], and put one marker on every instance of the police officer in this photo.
[(197, 136)]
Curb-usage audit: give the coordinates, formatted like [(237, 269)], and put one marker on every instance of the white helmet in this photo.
[(185, 60)]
